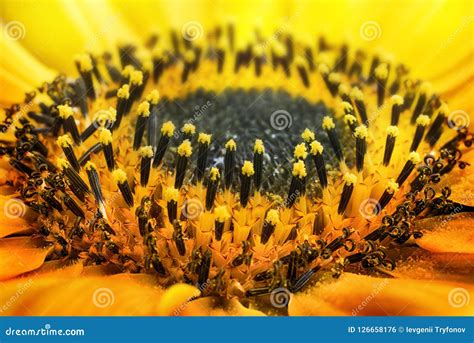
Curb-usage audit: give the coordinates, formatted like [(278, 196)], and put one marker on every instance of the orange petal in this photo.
[(20, 255), (364, 295), (212, 306), (176, 298), (13, 216), (447, 234), (120, 294)]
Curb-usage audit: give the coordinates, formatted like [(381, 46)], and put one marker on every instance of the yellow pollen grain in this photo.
[(343, 89), (381, 72), (361, 132), (247, 168), (105, 136), (146, 151), (189, 129), (396, 100), (258, 147), (279, 49), (214, 174), (425, 88), (167, 129), (147, 65), (171, 194), (64, 141), (185, 148), (349, 119), (221, 214), (308, 135), (258, 50), (153, 96), (357, 94), (204, 138), (62, 163), (334, 77), (299, 169), (111, 114), (136, 77), (230, 145), (300, 151), (414, 157), (316, 148), (65, 111), (127, 70), (323, 69), (347, 107), (350, 179), (272, 217), (422, 120), (90, 165), (124, 92), (392, 131), (119, 176), (189, 56), (328, 123), (144, 109), (392, 186), (85, 63), (443, 109), (300, 61)]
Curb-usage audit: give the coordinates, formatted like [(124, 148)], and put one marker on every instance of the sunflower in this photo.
[(211, 165)]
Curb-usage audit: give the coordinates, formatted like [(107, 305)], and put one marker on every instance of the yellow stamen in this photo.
[(119, 176), (423, 120), (350, 179), (144, 109), (247, 168), (316, 148), (171, 194), (307, 135), (221, 214), (204, 138), (300, 151), (185, 148), (65, 111), (299, 169), (328, 123), (230, 145), (272, 217), (259, 148), (361, 132), (146, 151), (64, 141), (392, 131), (167, 129), (124, 92), (153, 97), (105, 136)]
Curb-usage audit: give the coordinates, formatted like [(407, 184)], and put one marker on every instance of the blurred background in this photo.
[(434, 38)]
